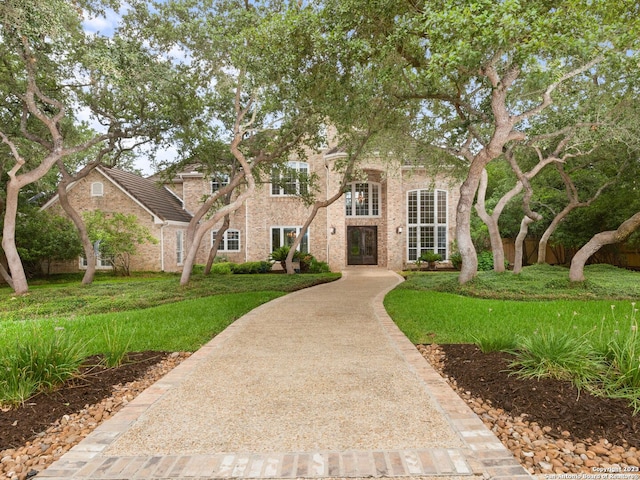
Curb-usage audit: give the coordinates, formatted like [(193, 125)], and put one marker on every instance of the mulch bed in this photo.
[(92, 385), (553, 403), (550, 403)]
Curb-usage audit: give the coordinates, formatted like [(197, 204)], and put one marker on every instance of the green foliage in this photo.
[(622, 351), (280, 255), (494, 343), (43, 361), (316, 266), (456, 260), (430, 257), (485, 261), (117, 346), (250, 267), (119, 236), (562, 355), (222, 268), (41, 236), (114, 294)]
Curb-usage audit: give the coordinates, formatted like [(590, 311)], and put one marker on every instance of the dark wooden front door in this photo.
[(362, 245)]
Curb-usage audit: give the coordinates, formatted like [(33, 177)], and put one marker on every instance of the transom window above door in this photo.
[(362, 200)]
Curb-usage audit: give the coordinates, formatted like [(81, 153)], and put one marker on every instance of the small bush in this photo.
[(117, 345), (488, 344), (485, 261), (559, 355), (197, 269), (251, 267), (41, 363), (318, 267), (456, 260), (223, 268)]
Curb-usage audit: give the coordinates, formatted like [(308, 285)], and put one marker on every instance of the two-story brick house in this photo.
[(386, 218)]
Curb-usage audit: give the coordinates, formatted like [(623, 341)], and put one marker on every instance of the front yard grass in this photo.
[(433, 308)]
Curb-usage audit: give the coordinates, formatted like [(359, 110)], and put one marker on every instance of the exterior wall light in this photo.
[(399, 230), (332, 230)]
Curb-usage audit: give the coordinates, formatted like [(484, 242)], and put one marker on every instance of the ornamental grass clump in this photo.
[(561, 355), (623, 355), (41, 362)]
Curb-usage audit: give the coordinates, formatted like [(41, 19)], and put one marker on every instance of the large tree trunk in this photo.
[(544, 240), (491, 221), (16, 269), (77, 220), (576, 272), (519, 244), (216, 244)]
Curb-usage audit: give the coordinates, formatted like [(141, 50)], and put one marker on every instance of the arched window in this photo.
[(427, 223), (97, 189), (362, 200)]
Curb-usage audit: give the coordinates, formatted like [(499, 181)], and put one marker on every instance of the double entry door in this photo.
[(362, 245)]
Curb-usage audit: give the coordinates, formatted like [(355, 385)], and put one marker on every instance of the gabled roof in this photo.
[(160, 201)]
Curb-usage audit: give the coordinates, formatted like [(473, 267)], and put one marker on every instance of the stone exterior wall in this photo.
[(255, 218), (149, 257)]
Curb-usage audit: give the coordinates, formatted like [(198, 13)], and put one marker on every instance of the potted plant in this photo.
[(430, 258)]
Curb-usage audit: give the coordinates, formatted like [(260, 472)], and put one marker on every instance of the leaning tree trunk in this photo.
[(519, 244), (76, 218), (216, 245), (491, 221), (599, 240)]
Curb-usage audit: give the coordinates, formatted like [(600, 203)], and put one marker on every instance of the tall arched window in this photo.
[(362, 200), (426, 223)]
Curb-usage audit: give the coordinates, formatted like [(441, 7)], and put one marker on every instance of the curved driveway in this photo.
[(319, 383)]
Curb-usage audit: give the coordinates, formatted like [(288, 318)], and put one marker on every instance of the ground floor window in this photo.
[(230, 240), (426, 223), (281, 236), (101, 262), (179, 247)]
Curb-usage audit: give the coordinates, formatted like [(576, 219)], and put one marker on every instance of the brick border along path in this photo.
[(155, 436)]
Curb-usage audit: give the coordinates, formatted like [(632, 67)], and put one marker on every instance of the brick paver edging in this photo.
[(485, 451), (484, 456)]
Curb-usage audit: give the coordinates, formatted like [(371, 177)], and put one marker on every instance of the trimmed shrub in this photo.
[(250, 267), (222, 268)]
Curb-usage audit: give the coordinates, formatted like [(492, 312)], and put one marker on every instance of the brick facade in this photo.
[(263, 211)]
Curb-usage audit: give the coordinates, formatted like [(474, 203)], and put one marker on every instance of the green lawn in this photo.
[(151, 313), (433, 308)]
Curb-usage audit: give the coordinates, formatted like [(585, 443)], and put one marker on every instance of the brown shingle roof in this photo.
[(155, 197)]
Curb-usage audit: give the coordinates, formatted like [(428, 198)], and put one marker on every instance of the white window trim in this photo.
[(99, 264), (97, 189), (281, 228), (220, 179), (435, 225), (293, 165), (371, 186), (224, 245), (179, 247)]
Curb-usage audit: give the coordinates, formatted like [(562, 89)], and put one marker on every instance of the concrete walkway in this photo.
[(317, 384)]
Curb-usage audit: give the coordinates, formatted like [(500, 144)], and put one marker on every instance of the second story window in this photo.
[(218, 181), (290, 180), (362, 200)]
